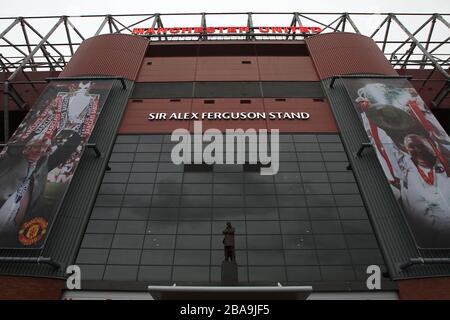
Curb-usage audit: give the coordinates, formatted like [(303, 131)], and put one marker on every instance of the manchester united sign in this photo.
[(228, 30)]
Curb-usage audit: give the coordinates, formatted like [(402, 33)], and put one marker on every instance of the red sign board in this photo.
[(228, 30)]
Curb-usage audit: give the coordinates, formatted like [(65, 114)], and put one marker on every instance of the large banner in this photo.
[(38, 163), (414, 151)]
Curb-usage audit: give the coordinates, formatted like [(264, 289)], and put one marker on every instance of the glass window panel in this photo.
[(194, 227), (193, 241), (157, 257)]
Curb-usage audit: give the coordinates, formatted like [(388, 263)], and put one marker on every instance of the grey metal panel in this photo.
[(64, 240), (228, 89), (155, 90), (292, 89), (390, 226), (231, 89)]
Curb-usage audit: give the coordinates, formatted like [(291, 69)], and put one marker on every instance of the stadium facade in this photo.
[(362, 183)]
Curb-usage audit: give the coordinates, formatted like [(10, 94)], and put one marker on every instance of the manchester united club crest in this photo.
[(32, 231)]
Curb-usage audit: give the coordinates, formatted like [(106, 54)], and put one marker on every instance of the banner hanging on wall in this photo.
[(413, 150), (40, 159)]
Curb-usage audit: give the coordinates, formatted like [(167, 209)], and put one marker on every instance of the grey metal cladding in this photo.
[(69, 226), (392, 232), (228, 89), (155, 90), (292, 89)]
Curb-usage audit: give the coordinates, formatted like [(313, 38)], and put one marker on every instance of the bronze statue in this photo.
[(228, 242)]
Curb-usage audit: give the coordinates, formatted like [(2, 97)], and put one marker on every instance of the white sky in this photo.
[(57, 7), (88, 27)]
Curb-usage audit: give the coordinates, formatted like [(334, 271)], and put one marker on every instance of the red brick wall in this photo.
[(263, 68), (117, 55), (29, 288), (424, 289), (341, 53), (26, 91), (431, 88)]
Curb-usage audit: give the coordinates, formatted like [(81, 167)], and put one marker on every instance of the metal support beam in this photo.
[(393, 17), (101, 26), (113, 22), (203, 24), (298, 21), (419, 45), (333, 22), (15, 96), (427, 44), (10, 64), (428, 78), (124, 26), (46, 55), (95, 148), (293, 24), (344, 21), (355, 76), (2, 64), (422, 261), (439, 17), (250, 32), (339, 23), (25, 35), (75, 29), (386, 34), (379, 27), (5, 111), (109, 24), (26, 82), (122, 80), (38, 260), (66, 27), (14, 46), (363, 146), (429, 39), (160, 24), (136, 23), (320, 23), (8, 28), (46, 41), (349, 19), (27, 59), (155, 21), (406, 56), (442, 94)]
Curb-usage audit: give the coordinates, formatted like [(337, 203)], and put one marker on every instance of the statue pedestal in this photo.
[(229, 273)]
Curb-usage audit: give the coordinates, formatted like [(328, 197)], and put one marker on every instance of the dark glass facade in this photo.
[(158, 222)]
